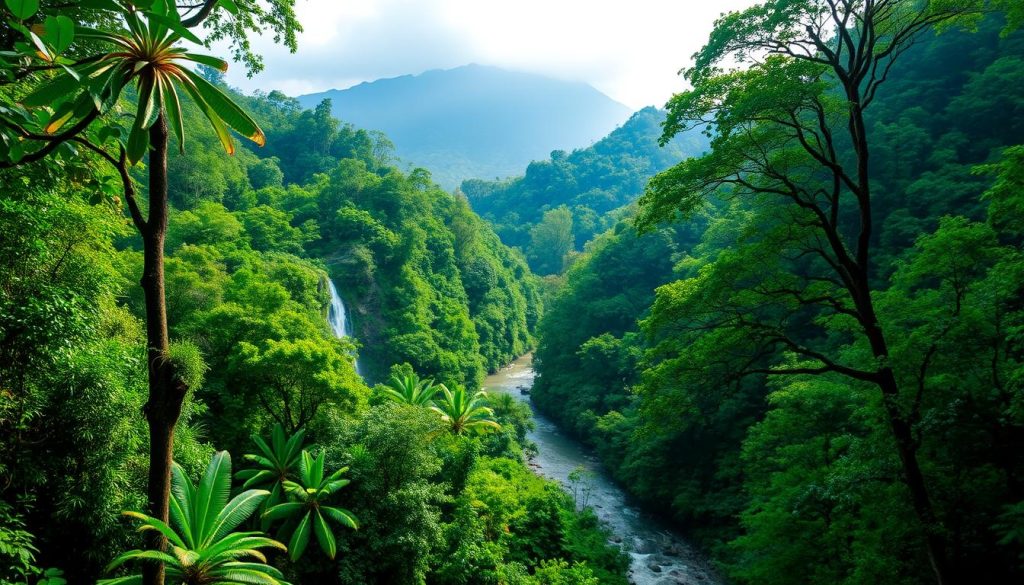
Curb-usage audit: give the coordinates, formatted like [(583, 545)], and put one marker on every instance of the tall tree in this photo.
[(789, 138), (93, 67)]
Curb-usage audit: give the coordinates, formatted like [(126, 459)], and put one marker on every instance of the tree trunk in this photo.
[(166, 392), (906, 447)]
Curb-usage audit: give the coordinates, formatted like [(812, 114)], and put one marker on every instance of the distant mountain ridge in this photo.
[(476, 121)]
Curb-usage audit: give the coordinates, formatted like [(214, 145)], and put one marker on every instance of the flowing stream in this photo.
[(659, 556), (338, 318)]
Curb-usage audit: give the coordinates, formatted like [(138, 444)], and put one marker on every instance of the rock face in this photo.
[(476, 121)]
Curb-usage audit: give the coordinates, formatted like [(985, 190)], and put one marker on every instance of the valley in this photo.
[(485, 324)]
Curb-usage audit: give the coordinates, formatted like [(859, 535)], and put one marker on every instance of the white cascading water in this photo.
[(338, 317)]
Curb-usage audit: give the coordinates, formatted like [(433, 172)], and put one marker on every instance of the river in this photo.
[(659, 556)]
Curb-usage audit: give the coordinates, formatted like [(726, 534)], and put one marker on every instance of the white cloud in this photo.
[(630, 50)]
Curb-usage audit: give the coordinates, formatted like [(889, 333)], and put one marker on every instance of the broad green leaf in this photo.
[(47, 94), (179, 517), (208, 60), (282, 511), (226, 109), (22, 9), (150, 523), (176, 28), (341, 516), (324, 535), (148, 107), (138, 142), (218, 125), (212, 493), (59, 32), (235, 512), (300, 538), (172, 108)]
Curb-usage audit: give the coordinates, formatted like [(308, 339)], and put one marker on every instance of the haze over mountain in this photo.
[(476, 121)]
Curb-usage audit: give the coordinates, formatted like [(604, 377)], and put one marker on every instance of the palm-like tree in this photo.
[(307, 511), (147, 56), (465, 412), (410, 389), (274, 464), (203, 549)]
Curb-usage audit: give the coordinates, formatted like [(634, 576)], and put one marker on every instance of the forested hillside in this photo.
[(358, 481), (785, 313), (718, 363), (561, 203)]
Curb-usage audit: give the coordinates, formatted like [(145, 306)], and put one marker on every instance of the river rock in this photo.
[(654, 567), (676, 549), (644, 546)]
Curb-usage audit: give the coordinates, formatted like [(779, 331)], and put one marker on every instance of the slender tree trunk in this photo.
[(906, 445), (899, 424), (166, 392)]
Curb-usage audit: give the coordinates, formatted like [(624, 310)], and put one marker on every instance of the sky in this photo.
[(631, 50)]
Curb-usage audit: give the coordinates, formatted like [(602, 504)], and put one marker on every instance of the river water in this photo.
[(659, 556)]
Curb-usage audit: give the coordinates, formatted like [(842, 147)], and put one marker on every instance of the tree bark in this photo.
[(166, 392)]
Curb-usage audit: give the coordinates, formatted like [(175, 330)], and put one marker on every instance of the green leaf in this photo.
[(148, 108), (208, 60), (218, 125), (138, 142), (172, 107), (175, 27), (226, 109), (150, 523), (300, 538), (282, 511), (341, 516), (22, 9), (212, 494), (179, 516), (324, 535), (60, 87), (59, 31), (141, 555), (237, 510)]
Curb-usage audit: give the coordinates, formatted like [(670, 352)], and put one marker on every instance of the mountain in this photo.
[(476, 121)]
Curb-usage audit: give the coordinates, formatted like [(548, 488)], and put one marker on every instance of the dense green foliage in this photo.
[(426, 281), (203, 544), (253, 239), (561, 203), (667, 351), (811, 363)]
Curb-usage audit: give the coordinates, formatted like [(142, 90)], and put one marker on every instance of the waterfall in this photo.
[(337, 316)]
